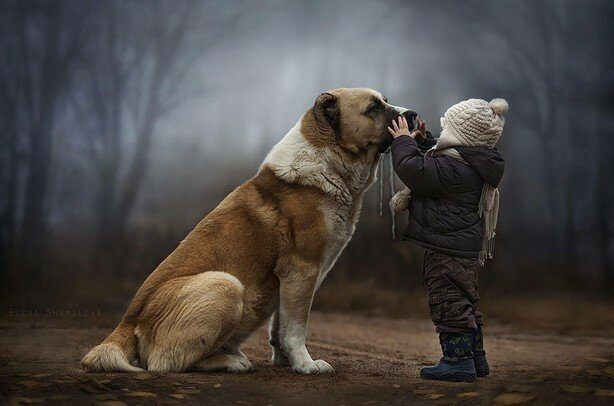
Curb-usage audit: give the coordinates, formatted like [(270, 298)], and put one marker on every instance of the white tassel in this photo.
[(381, 184), (391, 182)]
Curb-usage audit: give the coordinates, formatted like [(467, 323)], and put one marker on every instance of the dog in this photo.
[(262, 252)]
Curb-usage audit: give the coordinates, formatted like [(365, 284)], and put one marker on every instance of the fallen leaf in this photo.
[(468, 395), (512, 399), (598, 359), (28, 383), (521, 388), (105, 396), (59, 398), (188, 391), (609, 370), (143, 376), (112, 403), (89, 389), (576, 389), (541, 377), (217, 385), (424, 391), (605, 392), (435, 396), (396, 385), (40, 375), (179, 396), (595, 372), (572, 368), (25, 401), (141, 394), (65, 380)]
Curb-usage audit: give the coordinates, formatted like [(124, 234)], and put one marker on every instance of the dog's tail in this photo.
[(115, 353)]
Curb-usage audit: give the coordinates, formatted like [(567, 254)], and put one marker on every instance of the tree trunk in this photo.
[(34, 224)]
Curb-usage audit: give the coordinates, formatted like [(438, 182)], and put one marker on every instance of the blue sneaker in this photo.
[(457, 362)]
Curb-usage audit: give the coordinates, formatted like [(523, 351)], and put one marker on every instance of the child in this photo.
[(453, 214)]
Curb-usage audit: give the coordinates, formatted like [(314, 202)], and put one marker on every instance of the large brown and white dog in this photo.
[(262, 252)]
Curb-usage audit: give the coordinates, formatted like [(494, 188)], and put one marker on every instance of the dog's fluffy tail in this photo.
[(114, 354)]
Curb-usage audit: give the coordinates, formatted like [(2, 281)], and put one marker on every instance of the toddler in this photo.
[(453, 214)]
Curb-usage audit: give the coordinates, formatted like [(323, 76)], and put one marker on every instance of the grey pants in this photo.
[(452, 283)]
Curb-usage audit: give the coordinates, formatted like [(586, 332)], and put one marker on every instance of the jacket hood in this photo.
[(487, 162)]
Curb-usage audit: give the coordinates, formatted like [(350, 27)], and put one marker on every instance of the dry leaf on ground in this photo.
[(576, 388), (28, 383), (141, 394), (105, 396), (179, 396), (598, 359), (468, 395), (512, 399), (112, 403), (59, 398), (424, 391), (188, 391), (22, 400)]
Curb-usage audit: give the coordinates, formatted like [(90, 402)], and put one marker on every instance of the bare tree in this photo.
[(42, 45), (131, 81)]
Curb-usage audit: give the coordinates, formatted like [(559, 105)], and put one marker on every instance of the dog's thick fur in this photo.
[(261, 253)]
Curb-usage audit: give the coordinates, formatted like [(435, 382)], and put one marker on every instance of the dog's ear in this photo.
[(326, 111)]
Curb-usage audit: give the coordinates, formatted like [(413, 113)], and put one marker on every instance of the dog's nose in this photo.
[(410, 116)]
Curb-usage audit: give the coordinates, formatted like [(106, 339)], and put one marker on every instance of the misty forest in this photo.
[(124, 122)]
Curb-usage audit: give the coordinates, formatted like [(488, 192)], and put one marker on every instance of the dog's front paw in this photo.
[(313, 367)]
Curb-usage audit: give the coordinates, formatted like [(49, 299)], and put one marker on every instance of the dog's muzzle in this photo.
[(411, 117)]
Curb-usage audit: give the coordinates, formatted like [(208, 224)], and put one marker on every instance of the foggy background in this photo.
[(123, 123)]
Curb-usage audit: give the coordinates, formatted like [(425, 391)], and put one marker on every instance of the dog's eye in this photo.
[(374, 110)]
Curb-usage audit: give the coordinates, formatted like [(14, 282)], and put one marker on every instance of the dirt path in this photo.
[(376, 361)]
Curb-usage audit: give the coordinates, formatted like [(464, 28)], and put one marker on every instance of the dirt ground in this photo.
[(376, 361)]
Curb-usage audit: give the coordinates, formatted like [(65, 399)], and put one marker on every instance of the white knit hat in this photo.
[(473, 122)]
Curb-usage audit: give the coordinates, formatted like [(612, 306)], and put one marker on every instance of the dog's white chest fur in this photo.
[(294, 159)]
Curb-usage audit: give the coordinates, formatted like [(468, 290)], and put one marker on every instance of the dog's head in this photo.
[(356, 119)]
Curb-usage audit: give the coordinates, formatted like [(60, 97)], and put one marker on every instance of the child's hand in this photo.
[(400, 129), (420, 132)]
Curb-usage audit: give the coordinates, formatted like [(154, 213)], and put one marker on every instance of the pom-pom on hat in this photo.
[(473, 122)]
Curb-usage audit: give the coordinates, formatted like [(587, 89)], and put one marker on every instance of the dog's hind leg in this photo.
[(189, 320)]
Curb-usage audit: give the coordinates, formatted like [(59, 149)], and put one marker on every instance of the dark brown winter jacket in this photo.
[(445, 193)]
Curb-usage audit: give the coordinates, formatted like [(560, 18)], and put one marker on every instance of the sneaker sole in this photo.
[(455, 377)]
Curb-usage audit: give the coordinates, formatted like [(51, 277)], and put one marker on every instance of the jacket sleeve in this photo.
[(427, 143), (419, 174)]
